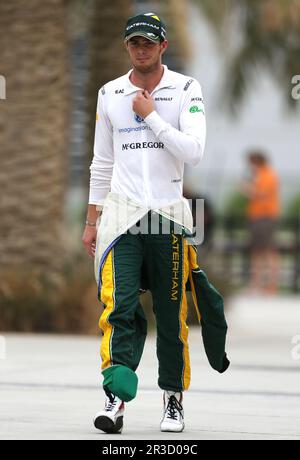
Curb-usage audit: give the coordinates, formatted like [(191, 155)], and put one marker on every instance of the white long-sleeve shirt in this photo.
[(143, 160)]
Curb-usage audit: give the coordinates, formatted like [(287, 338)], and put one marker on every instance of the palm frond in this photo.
[(269, 32)]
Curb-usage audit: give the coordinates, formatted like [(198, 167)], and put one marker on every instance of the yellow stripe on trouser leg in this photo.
[(107, 297), (184, 330), (193, 266)]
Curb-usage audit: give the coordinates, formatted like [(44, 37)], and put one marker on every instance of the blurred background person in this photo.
[(263, 209)]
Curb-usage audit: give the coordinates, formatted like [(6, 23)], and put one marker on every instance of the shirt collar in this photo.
[(165, 82)]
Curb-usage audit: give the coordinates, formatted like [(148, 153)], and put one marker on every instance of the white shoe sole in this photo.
[(172, 430)]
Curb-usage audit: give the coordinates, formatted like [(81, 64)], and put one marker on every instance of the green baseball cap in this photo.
[(147, 25)]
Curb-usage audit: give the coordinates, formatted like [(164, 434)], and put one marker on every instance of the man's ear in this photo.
[(164, 45)]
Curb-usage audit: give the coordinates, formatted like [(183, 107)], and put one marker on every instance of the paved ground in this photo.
[(50, 384)]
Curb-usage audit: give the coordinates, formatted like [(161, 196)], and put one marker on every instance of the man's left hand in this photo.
[(143, 104)]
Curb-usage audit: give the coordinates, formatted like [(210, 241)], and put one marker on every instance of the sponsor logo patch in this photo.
[(143, 145), (136, 129), (138, 119), (142, 24), (197, 99), (164, 99), (188, 84), (119, 91), (195, 109), (175, 267)]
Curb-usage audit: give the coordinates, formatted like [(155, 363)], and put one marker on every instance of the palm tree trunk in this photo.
[(107, 54), (34, 138), (175, 14)]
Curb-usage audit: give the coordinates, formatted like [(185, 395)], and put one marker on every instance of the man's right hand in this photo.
[(89, 240)]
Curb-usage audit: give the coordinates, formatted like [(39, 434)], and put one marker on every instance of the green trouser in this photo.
[(164, 259)]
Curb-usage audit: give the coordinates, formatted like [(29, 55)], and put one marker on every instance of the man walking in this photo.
[(149, 123)]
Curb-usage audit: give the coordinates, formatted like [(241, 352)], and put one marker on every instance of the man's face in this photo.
[(253, 167), (145, 55)]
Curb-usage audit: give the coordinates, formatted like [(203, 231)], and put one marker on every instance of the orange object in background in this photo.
[(263, 211), (265, 202)]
